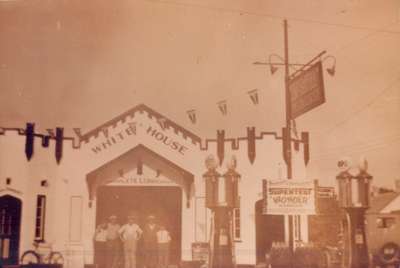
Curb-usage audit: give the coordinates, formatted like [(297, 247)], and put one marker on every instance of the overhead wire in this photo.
[(360, 150), (362, 108), (355, 146), (259, 14)]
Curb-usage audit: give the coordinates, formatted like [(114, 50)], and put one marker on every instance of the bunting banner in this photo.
[(59, 143), (30, 136)]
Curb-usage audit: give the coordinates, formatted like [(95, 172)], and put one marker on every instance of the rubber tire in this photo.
[(56, 258), (395, 255), (34, 255)]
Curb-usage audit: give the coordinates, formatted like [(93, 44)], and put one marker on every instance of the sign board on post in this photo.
[(290, 197), (306, 90)]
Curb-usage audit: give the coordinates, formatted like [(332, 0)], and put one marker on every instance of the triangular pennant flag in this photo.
[(223, 107), (253, 96), (192, 116), (162, 122)]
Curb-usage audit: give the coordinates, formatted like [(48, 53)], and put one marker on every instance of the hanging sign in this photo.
[(290, 197), (306, 90)]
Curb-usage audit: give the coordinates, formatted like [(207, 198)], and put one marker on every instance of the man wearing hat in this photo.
[(112, 242), (130, 233), (150, 242)]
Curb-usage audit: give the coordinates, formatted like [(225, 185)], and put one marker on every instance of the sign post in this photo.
[(304, 90)]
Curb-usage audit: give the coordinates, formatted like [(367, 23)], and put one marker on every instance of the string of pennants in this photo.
[(223, 106)]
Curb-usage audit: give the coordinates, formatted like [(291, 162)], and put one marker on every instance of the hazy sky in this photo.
[(80, 63)]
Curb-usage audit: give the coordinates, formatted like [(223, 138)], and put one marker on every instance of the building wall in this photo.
[(325, 227), (70, 217)]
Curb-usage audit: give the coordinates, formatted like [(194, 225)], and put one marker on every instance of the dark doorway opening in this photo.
[(10, 223), (269, 228), (164, 202)]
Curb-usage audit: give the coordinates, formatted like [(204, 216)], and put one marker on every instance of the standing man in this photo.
[(130, 233), (150, 242), (163, 239), (113, 242), (100, 242)]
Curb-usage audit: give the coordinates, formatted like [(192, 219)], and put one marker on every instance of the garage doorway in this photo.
[(164, 202)]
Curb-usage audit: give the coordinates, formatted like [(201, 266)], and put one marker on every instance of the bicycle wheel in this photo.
[(30, 257), (56, 258)]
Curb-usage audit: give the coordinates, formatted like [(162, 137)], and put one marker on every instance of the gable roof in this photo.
[(151, 113), (379, 202)]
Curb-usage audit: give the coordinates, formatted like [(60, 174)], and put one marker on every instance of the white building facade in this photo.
[(139, 161)]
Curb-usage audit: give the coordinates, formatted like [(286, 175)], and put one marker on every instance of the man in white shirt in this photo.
[(130, 233), (163, 239), (100, 240)]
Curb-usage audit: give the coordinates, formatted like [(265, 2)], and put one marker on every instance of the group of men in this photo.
[(111, 239)]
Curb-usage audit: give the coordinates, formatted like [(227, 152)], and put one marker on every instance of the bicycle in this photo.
[(42, 254)]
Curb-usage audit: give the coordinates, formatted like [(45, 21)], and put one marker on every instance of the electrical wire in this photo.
[(356, 146), (362, 108), (272, 16), (333, 156)]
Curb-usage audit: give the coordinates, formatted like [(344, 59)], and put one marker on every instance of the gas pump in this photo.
[(221, 197)]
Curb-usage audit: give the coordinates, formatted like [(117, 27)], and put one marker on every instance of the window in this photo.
[(236, 223), (385, 222), (40, 217)]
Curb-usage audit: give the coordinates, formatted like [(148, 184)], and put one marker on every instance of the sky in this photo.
[(81, 63)]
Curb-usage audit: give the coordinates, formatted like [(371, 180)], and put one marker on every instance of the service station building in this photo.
[(139, 161)]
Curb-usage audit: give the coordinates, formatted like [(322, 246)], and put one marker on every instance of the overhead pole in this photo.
[(288, 129)]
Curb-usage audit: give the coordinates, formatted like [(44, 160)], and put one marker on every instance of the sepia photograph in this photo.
[(200, 134)]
